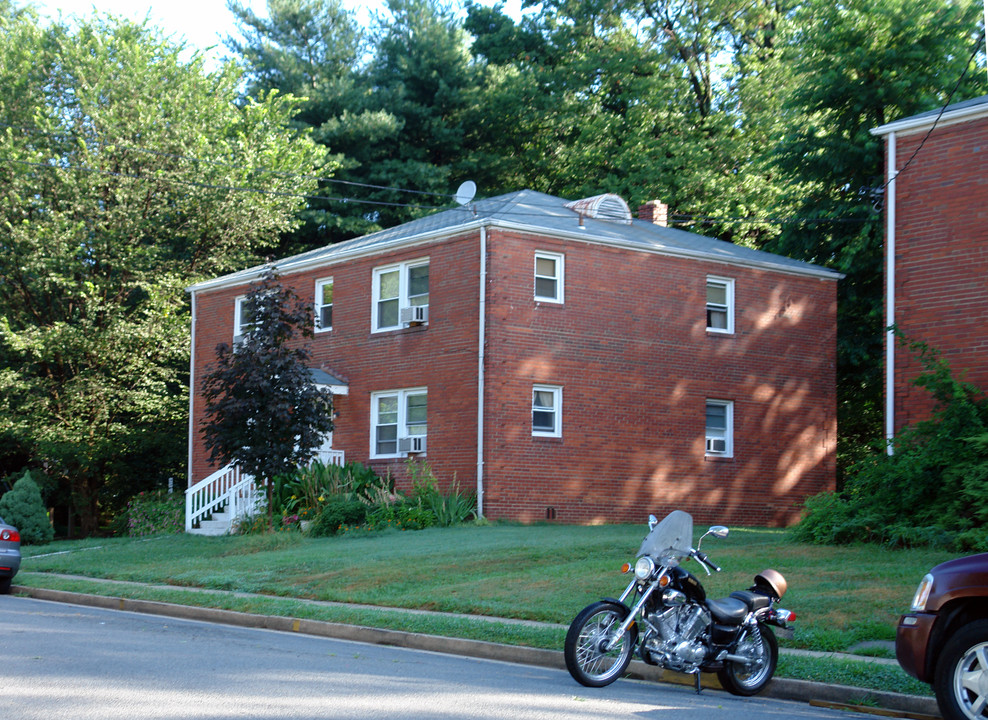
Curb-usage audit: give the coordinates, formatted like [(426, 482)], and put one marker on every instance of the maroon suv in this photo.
[(943, 640)]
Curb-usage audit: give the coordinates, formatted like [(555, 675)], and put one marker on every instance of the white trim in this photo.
[(557, 410), (245, 277), (401, 420), (890, 219), (403, 269), (728, 438), (317, 303), (192, 393), (917, 124), (559, 278), (728, 285), (481, 380)]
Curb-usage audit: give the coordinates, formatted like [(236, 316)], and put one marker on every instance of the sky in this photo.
[(202, 23)]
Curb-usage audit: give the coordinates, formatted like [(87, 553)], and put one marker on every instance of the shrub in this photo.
[(23, 507), (402, 515), (337, 512), (155, 512), (931, 492), (448, 509)]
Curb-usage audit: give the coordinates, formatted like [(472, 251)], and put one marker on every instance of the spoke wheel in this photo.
[(761, 651), (594, 657), (961, 680)]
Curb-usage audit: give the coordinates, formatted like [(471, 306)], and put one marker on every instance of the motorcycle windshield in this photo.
[(671, 540)]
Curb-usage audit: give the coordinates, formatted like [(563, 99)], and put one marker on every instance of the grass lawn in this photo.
[(841, 596)]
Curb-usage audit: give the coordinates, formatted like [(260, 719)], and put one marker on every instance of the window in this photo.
[(241, 322), (720, 428), (324, 304), (547, 407), (401, 295), (720, 305), (549, 277), (398, 422)]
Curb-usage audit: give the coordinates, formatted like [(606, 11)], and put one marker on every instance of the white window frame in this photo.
[(728, 309), (403, 298), (238, 326), (727, 434), (556, 410), (560, 260), (319, 304), (401, 420)]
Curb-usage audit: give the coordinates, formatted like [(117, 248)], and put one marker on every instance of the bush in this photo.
[(447, 509), (403, 515), (155, 512), (933, 491), (337, 512), (23, 507)]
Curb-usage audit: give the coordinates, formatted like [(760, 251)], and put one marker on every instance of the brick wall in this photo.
[(942, 257), (631, 351)]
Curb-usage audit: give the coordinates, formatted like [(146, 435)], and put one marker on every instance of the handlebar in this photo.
[(707, 564)]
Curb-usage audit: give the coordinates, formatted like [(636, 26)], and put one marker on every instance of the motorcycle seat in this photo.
[(754, 601), (728, 611)]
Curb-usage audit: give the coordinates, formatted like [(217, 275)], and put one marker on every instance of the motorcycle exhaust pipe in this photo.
[(734, 658)]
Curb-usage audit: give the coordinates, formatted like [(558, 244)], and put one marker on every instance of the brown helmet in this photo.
[(772, 580)]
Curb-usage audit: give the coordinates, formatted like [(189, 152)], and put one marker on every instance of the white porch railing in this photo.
[(232, 492), (226, 489)]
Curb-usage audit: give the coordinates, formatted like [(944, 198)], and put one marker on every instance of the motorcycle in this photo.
[(673, 624)]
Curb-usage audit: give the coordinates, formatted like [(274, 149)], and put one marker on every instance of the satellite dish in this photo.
[(465, 192)]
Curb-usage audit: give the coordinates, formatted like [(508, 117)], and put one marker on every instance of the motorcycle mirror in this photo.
[(718, 531), (652, 522)]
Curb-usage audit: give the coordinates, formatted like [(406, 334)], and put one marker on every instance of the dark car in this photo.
[(943, 640), (10, 555)]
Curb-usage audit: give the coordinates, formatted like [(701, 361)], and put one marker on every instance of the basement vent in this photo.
[(603, 207)]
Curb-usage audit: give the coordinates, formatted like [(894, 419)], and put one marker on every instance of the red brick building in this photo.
[(568, 361), (936, 249)]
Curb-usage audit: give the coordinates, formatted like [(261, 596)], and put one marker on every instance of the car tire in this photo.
[(961, 679), (5, 585)]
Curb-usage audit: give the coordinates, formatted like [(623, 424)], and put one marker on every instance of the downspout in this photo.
[(192, 388), (890, 299), (481, 332)]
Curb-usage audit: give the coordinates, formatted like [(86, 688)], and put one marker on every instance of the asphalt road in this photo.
[(68, 661)]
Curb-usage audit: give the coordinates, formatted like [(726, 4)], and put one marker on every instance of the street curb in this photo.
[(859, 699)]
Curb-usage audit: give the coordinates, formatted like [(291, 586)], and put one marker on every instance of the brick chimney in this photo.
[(654, 212)]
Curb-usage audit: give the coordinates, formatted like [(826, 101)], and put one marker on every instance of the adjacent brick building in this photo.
[(936, 249), (568, 361)]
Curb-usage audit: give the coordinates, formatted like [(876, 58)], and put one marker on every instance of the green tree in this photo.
[(263, 410), (858, 65), (126, 173), (314, 49), (24, 508)]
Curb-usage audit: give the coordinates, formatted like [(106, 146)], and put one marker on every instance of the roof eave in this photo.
[(915, 124)]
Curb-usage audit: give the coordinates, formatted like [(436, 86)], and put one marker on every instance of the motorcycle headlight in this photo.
[(644, 568), (922, 593)]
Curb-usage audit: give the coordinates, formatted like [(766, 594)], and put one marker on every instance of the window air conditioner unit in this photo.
[(413, 444), (716, 445), (414, 315)]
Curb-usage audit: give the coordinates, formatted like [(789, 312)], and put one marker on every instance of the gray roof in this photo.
[(953, 112), (540, 214)]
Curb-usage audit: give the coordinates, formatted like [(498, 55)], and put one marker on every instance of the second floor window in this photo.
[(242, 322), (720, 305), (324, 304), (549, 277), (400, 295)]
